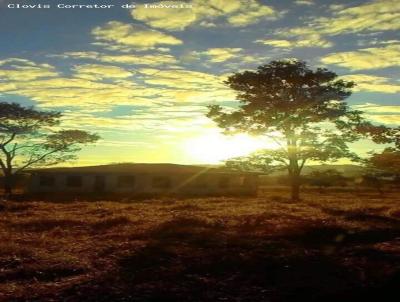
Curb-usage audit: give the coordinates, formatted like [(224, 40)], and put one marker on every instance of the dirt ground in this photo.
[(334, 246)]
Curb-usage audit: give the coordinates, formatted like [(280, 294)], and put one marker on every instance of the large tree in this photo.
[(303, 110), (28, 139)]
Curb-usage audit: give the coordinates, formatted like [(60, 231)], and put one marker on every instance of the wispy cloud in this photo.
[(129, 59), (366, 58), (365, 82), (384, 114), (304, 2), (378, 15), (236, 13), (218, 55), (311, 40), (116, 35)]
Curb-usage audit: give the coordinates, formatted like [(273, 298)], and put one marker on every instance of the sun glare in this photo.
[(215, 148)]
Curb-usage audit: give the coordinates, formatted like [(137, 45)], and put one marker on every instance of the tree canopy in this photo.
[(28, 138), (303, 111)]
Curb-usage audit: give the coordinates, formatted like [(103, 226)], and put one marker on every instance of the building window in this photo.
[(223, 182), (74, 181), (161, 182), (126, 181), (47, 180)]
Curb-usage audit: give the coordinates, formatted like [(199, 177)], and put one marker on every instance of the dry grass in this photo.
[(335, 246)]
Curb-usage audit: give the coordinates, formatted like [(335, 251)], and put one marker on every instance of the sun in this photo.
[(215, 147)]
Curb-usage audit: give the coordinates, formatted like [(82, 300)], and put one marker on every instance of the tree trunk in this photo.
[(8, 185), (295, 187)]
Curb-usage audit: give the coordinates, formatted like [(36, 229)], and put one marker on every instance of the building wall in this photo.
[(205, 184)]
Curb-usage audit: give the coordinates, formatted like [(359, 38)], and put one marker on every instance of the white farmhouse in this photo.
[(143, 179)]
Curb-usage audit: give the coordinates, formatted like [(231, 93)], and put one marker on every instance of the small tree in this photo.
[(27, 140), (302, 110), (383, 166), (388, 162), (326, 178)]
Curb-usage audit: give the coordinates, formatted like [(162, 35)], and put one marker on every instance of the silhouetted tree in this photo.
[(26, 140), (302, 110), (373, 179), (326, 178), (383, 166), (387, 161)]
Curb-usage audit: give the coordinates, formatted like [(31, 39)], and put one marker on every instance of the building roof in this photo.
[(138, 168)]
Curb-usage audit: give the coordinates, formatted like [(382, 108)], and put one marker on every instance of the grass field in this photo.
[(338, 246)]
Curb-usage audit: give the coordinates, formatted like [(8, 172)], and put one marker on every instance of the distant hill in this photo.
[(346, 170)]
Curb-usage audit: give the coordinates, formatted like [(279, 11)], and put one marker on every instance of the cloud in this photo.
[(304, 2), (377, 108), (132, 59), (121, 36), (375, 42), (379, 15), (373, 16), (386, 119), (16, 69), (312, 40), (372, 83), (218, 55), (366, 58), (251, 12), (98, 87), (84, 89), (237, 13), (182, 79), (385, 114), (81, 93), (99, 72), (276, 43), (169, 19), (158, 120), (187, 86)]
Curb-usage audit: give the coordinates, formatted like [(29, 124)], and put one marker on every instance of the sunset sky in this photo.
[(142, 77)]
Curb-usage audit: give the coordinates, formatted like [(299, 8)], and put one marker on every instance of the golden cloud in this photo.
[(81, 92), (366, 58), (99, 72), (373, 16), (385, 114), (310, 40), (16, 69), (170, 19), (389, 119), (237, 13), (87, 89), (133, 59), (159, 118), (217, 55), (372, 83), (304, 2), (379, 15), (121, 36)]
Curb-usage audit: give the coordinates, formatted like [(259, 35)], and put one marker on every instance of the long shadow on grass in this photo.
[(193, 259), (366, 215)]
